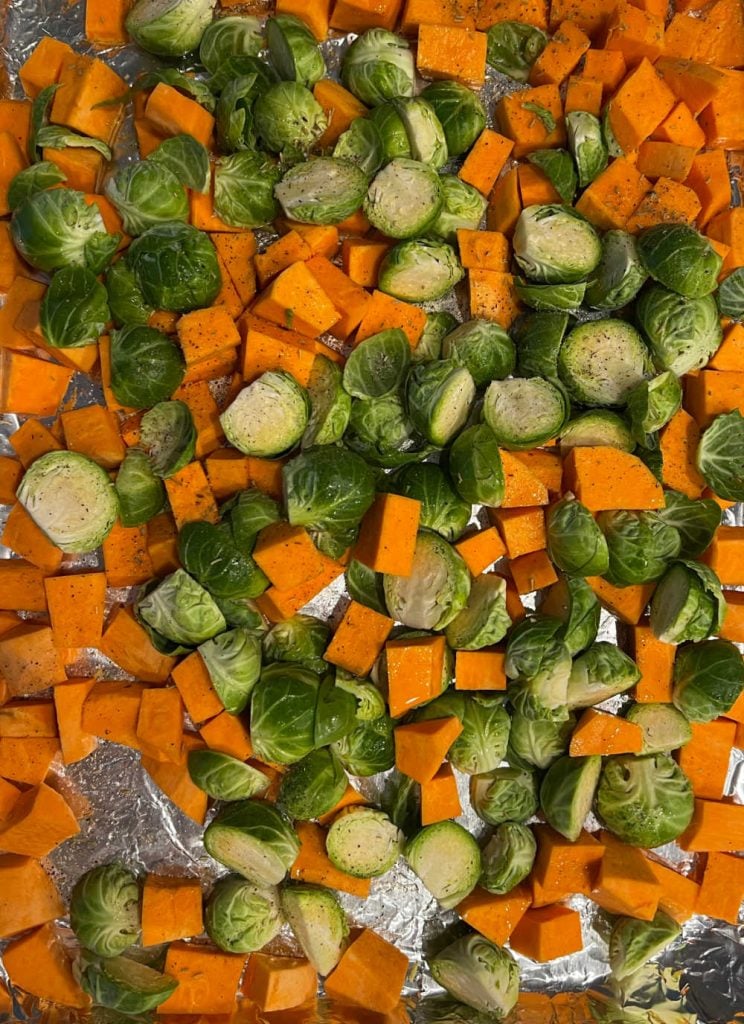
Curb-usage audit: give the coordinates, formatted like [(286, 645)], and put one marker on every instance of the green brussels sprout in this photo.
[(687, 604), (508, 857), (442, 510), (538, 338), (105, 910), (56, 228), (247, 513), (633, 942), (187, 158), (361, 145), (402, 802), (708, 679), (419, 270), (481, 745), (682, 333), (664, 728), (224, 777), (302, 639), (313, 786), (484, 348), (731, 295), (558, 167), (122, 984), (330, 405), (233, 661), (645, 801), (36, 178), (126, 302), (640, 546), (181, 610), (600, 672), (550, 297), (459, 111), (322, 190), (404, 198), (370, 701), (381, 430), (146, 366), (475, 466), (318, 922), (695, 520), (436, 590), (369, 748), (244, 189), (567, 793), (620, 274), (241, 611), (680, 258), (268, 416), (240, 917), (613, 146), (328, 489), (513, 48), (378, 365), (447, 859), (365, 586), (145, 194), (720, 456), (439, 396), (363, 842), (378, 66), (597, 427), (254, 839), (176, 267), (602, 361), (233, 36), (288, 118), (71, 499), (74, 310), (574, 602), (538, 742), (293, 51), (575, 542), (555, 245), (168, 436), (484, 620), (209, 554), (524, 412), (141, 494), (462, 207), (587, 146), (527, 646), (478, 973), (652, 403), (392, 131), (504, 794), (234, 111), (169, 28)]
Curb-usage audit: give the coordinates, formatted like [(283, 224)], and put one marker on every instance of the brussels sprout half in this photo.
[(587, 145), (436, 590), (105, 910), (377, 366), (123, 984), (392, 131), (233, 661), (513, 47), (463, 206), (330, 405), (425, 134), (687, 604), (645, 801), (633, 942), (322, 191), (597, 427), (361, 145), (176, 267), (141, 494), (328, 489), (74, 310), (224, 777), (288, 118), (664, 728), (125, 299), (459, 111), (600, 672), (558, 167), (169, 28), (652, 403), (640, 546), (524, 412), (241, 917), (680, 258), (168, 436), (369, 748), (381, 430), (548, 297), (293, 51), (482, 744), (442, 510), (254, 839), (731, 295), (600, 362), (538, 337), (683, 333), (233, 36), (404, 198), (575, 542), (620, 275), (318, 922), (508, 857), (36, 178), (313, 786), (447, 859), (538, 742), (478, 973), (555, 245), (720, 456), (181, 610), (574, 602), (439, 396), (302, 640), (419, 270), (244, 185), (267, 417), (209, 554), (504, 794), (56, 228), (475, 466), (147, 193), (567, 793), (147, 366), (483, 347), (363, 842), (378, 66), (484, 620), (708, 679)]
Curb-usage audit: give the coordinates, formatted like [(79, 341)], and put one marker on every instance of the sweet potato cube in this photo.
[(29, 660), (635, 33), (28, 541), (69, 698), (598, 732), (127, 644), (605, 66), (278, 604), (414, 670), (722, 888), (532, 572), (639, 106), (583, 94), (480, 670), (485, 161), (655, 661), (627, 603), (359, 638), (387, 536), (160, 723), (279, 255), (45, 65), (341, 108), (562, 867), (172, 113), (21, 586), (269, 347), (733, 629), (359, 15), (205, 332), (277, 983), (175, 780), (484, 250), (442, 12), (678, 894), (493, 297), (12, 161), (190, 496), (76, 607), (104, 22), (679, 442), (625, 883), (535, 187), (421, 747), (523, 488), (439, 797), (287, 555), (125, 556), (50, 384), (446, 51), (665, 159), (195, 686), (614, 194), (84, 84), (207, 979), (349, 298), (93, 431), (384, 312), (705, 758), (668, 202), (39, 821), (559, 58), (358, 977), (171, 909), (27, 760), (546, 933), (521, 529), (39, 964), (680, 127), (712, 392), (481, 549), (40, 903), (504, 204), (494, 916), (361, 259), (295, 299), (533, 119), (607, 478), (715, 827), (227, 734), (316, 16)]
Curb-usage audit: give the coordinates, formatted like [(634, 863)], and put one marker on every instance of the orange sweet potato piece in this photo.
[(667, 202), (69, 698), (125, 556), (484, 250), (607, 478), (12, 161), (712, 392), (414, 671), (715, 827), (452, 52), (485, 161), (583, 94), (236, 251), (359, 638), (50, 383), (560, 57), (709, 179), (190, 496), (21, 586), (533, 119), (725, 555), (493, 297), (532, 12), (535, 187), (722, 888), (625, 883), (679, 441), (29, 661), (521, 529), (349, 298), (614, 194), (21, 292), (494, 916), (439, 797), (84, 85), (171, 909), (533, 571), (598, 732), (195, 686), (361, 259), (76, 606), (359, 15), (104, 22), (38, 823), (480, 670), (421, 747), (314, 866), (387, 536), (23, 536), (206, 332), (227, 734), (111, 711), (523, 487), (439, 12), (296, 300), (547, 933), (680, 127), (705, 758), (384, 312), (267, 346), (94, 432), (38, 963), (562, 867), (605, 66), (207, 979), (277, 983), (678, 894), (481, 549), (160, 723), (82, 168), (655, 661), (127, 644), (695, 83), (733, 629), (287, 555), (27, 760), (28, 718), (635, 33), (627, 603), (278, 604), (172, 113), (639, 106), (45, 65), (340, 106), (28, 896), (665, 159), (370, 973), (175, 781), (316, 16)]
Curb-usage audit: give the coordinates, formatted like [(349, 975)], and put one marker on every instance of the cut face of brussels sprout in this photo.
[(176, 267), (392, 131), (680, 258), (404, 199), (71, 499), (244, 189), (125, 299), (181, 610), (483, 347), (664, 728), (587, 145), (575, 542), (313, 786), (378, 66), (74, 310), (597, 427), (513, 47), (318, 922), (538, 338), (634, 942), (460, 113), (361, 145), (233, 36), (209, 554), (441, 508), (537, 742), (147, 193), (645, 801), (301, 639), (524, 412), (505, 794), (439, 396), (293, 50), (447, 859), (322, 191), (475, 466), (731, 295), (508, 857), (687, 604), (481, 745), (330, 405), (601, 672), (478, 973), (462, 207), (328, 489), (574, 602), (224, 777), (105, 910), (620, 274), (554, 245), (241, 917), (369, 748), (420, 270), (567, 793), (381, 430), (720, 456), (288, 118), (125, 985), (169, 28), (254, 839), (168, 436), (558, 167), (652, 404), (547, 297), (436, 590), (141, 494), (57, 228), (364, 842), (708, 679), (640, 546), (600, 362), (146, 366), (682, 333), (233, 661), (268, 417), (378, 365), (484, 620)]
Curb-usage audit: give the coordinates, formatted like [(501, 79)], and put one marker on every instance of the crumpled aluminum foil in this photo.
[(124, 815)]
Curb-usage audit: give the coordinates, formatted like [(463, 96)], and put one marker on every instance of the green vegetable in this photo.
[(234, 112), (289, 119), (247, 513), (555, 245), (192, 87), (513, 48), (420, 270), (687, 604), (484, 620), (504, 794), (56, 228), (293, 50), (168, 436), (147, 366), (381, 430), (378, 66), (181, 610), (483, 347), (224, 777), (682, 333), (125, 299), (318, 922), (664, 727), (549, 297), (145, 194), (597, 427), (646, 801), (600, 672), (141, 494), (695, 520), (392, 131), (574, 602), (378, 365), (36, 178), (587, 146), (537, 338), (640, 546), (463, 206), (575, 542), (363, 842), (176, 267), (652, 403), (634, 942), (442, 510), (508, 857), (439, 396), (105, 910), (538, 742), (268, 416), (481, 746), (322, 191), (254, 839), (122, 984), (567, 793), (447, 859), (720, 456), (475, 466), (708, 679), (209, 554), (602, 361), (404, 198), (169, 28), (313, 786), (241, 917), (233, 36), (361, 145), (301, 640), (330, 405), (242, 66), (425, 134), (233, 661), (328, 489), (74, 310), (558, 167), (365, 586), (619, 275), (369, 748), (478, 973), (680, 258), (731, 295), (244, 189), (524, 412), (436, 590), (186, 158), (460, 113)]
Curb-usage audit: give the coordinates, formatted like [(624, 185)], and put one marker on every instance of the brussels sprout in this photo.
[(244, 189), (241, 917), (664, 728), (543, 684), (437, 326), (146, 366), (633, 942), (524, 412), (575, 542), (695, 520), (550, 297), (369, 748), (168, 436), (301, 639), (313, 786), (645, 801), (267, 417), (241, 611), (475, 466), (731, 295), (378, 365), (600, 672), (538, 742), (640, 546), (441, 508), (74, 310), (254, 839), (378, 66), (71, 499), (652, 403), (680, 258), (233, 661), (481, 745), (330, 405), (176, 267), (597, 427), (420, 270), (122, 984), (558, 167), (169, 28), (447, 860), (439, 396), (508, 857), (146, 194), (687, 604), (328, 489), (190, 86), (125, 299), (436, 590), (620, 274), (233, 36), (478, 973), (224, 777), (513, 48), (574, 602), (57, 228), (209, 554), (322, 191), (587, 145), (402, 802), (462, 207), (404, 198), (293, 50), (381, 430), (460, 113), (708, 679), (234, 113), (288, 118), (318, 922), (484, 620), (567, 793), (247, 513), (187, 158), (538, 338), (720, 456), (181, 610), (365, 586), (602, 361), (483, 347), (527, 645), (105, 910), (242, 66), (361, 145), (555, 245), (392, 131), (683, 333), (283, 706), (363, 842), (36, 178), (504, 794), (141, 494)]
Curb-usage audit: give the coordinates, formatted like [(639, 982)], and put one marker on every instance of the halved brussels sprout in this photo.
[(645, 801), (567, 793), (365, 586), (549, 297), (336, 711), (586, 142), (330, 405), (301, 640), (141, 494), (513, 47), (378, 66), (558, 167), (181, 610), (664, 727), (363, 842), (313, 786), (176, 267), (524, 412), (478, 973), (600, 672), (439, 396), (125, 299), (633, 942), (542, 688), (123, 984), (447, 859), (392, 131), (293, 51), (288, 118), (475, 466), (147, 193), (168, 436), (267, 417), (575, 542), (597, 427), (209, 554), (169, 28), (483, 347), (731, 295), (105, 910), (720, 456), (462, 207), (680, 258), (695, 520), (247, 513), (36, 178), (459, 111), (328, 489), (404, 198), (425, 133), (74, 310), (56, 228), (234, 112), (361, 145), (708, 679), (687, 604), (574, 602), (600, 362), (244, 186), (504, 794), (71, 499), (283, 707), (652, 403), (436, 590), (555, 245), (640, 546), (482, 744), (233, 661), (240, 917), (224, 777), (420, 270), (234, 36), (620, 275), (508, 857), (538, 338), (147, 366), (254, 839), (369, 748), (381, 430), (537, 742), (527, 645), (442, 510), (484, 620), (318, 922), (378, 365), (683, 333), (322, 190)]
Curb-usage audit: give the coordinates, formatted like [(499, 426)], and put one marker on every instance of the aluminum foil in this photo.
[(124, 815)]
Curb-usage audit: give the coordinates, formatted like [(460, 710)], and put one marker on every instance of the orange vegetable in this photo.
[(82, 168), (625, 883), (387, 536), (279, 255), (730, 353), (206, 415), (414, 672), (76, 606), (278, 604), (665, 159), (351, 798), (679, 442), (85, 84), (323, 239), (678, 894), (496, 917), (715, 827), (635, 33), (9, 795), (29, 661), (175, 781), (728, 227), (639, 106), (605, 66), (532, 12), (627, 603), (160, 723), (667, 202), (715, 37), (712, 392), (125, 557), (493, 297), (314, 866), (733, 626), (535, 187), (316, 15), (190, 496), (695, 83), (560, 57), (38, 963), (288, 556), (104, 22), (525, 117), (613, 195), (504, 205), (269, 347), (28, 718), (421, 747), (437, 12), (69, 698), (680, 127), (349, 298), (562, 867), (598, 732), (21, 586), (370, 973), (608, 478), (50, 383), (23, 536), (39, 821), (11, 264), (45, 64), (523, 487), (227, 472), (359, 15), (485, 160), (236, 250), (12, 161), (484, 250), (361, 259), (532, 572), (27, 760), (172, 113), (207, 979), (28, 896), (127, 644), (480, 670), (439, 797), (206, 332), (341, 108), (547, 933), (227, 734), (279, 982), (111, 711), (705, 758), (296, 300), (171, 909), (452, 52), (359, 638), (199, 697), (722, 888), (521, 529), (655, 661), (384, 312), (583, 94), (481, 549)]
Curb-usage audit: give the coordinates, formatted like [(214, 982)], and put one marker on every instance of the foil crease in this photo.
[(124, 815)]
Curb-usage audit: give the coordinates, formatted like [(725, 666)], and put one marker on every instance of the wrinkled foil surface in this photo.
[(124, 815)]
